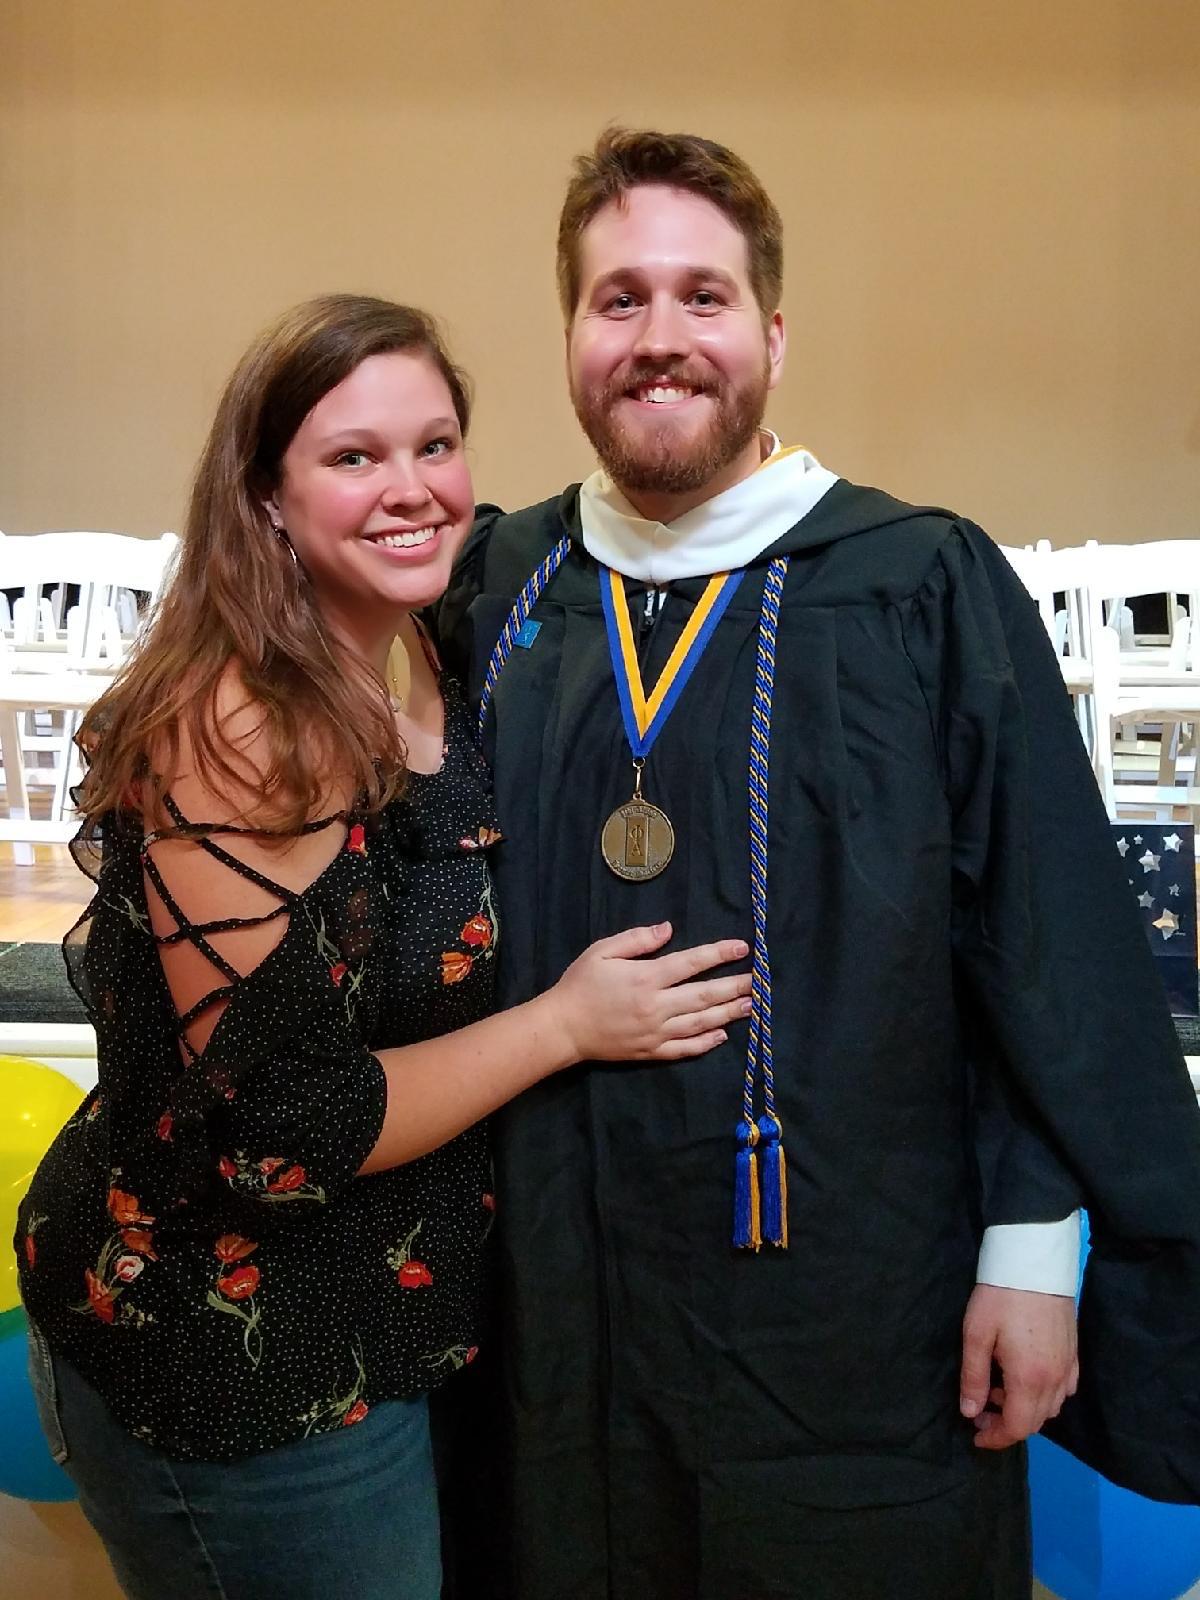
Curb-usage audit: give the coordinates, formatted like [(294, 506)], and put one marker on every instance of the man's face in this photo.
[(668, 360)]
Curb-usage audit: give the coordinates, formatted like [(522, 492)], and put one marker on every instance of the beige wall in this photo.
[(993, 215)]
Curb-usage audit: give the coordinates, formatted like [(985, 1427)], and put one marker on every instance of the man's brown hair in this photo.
[(624, 158)]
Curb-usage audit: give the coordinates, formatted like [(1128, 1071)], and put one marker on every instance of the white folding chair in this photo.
[(55, 665), (1048, 573), (107, 568), (1146, 687)]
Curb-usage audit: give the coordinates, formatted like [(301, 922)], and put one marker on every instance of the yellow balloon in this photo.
[(35, 1101)]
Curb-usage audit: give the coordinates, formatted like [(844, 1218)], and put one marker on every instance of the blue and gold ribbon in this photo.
[(644, 714)]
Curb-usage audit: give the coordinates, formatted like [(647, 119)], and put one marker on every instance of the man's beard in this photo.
[(657, 461)]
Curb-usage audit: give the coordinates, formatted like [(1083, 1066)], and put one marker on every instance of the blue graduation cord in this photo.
[(760, 1177), (517, 618)]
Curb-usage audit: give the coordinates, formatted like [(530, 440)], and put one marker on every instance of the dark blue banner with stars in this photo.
[(1160, 863)]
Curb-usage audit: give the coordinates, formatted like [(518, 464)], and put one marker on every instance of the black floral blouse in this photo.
[(196, 1241)]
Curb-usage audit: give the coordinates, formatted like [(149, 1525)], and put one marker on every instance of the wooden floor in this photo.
[(40, 902)]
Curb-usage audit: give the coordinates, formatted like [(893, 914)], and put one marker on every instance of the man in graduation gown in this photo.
[(776, 1320)]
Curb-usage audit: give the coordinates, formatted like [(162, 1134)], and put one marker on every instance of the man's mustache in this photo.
[(667, 377)]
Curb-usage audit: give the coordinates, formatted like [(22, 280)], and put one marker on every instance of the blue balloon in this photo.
[(27, 1469), (1093, 1541)]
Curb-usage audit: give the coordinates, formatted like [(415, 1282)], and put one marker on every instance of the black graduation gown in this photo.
[(968, 1030)]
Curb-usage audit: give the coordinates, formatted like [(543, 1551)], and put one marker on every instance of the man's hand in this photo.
[(1031, 1338)]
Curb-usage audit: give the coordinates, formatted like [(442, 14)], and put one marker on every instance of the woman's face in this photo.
[(375, 493)]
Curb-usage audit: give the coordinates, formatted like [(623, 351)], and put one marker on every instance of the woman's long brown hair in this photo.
[(237, 598)]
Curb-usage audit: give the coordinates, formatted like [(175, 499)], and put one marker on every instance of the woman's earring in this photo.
[(281, 534)]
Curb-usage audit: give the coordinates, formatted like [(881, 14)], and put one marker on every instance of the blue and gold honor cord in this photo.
[(760, 1177), (760, 1181), (517, 619)]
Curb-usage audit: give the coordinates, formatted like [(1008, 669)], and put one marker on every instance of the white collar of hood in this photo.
[(719, 535)]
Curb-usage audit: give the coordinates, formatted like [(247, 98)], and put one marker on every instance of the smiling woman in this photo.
[(375, 495)]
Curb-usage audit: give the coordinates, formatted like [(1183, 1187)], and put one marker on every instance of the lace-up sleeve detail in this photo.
[(276, 1098), (199, 935)]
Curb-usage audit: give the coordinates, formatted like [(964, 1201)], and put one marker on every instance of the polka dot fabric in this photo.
[(196, 1241)]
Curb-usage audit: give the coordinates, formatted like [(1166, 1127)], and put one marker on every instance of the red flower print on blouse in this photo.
[(231, 1247), (124, 1208), (478, 931), (455, 966), (100, 1298), (226, 1168), (165, 1123), (357, 840), (128, 1268), (471, 1354), (239, 1284), (414, 1275), (337, 973), (355, 1414), (488, 1202), (293, 1178), (140, 1240), (270, 1164), (29, 1243)]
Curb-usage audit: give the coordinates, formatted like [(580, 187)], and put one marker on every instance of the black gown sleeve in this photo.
[(1005, 733), (1082, 1090)]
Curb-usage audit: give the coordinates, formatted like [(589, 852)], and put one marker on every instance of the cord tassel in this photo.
[(774, 1182), (747, 1224)]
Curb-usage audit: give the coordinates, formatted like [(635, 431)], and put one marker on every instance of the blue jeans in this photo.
[(346, 1515)]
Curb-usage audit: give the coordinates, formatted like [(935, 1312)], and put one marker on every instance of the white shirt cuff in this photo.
[(1039, 1256)]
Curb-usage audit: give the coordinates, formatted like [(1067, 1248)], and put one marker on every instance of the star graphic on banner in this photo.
[(1172, 841), (1174, 889), (1146, 901), (1122, 845), (1137, 838), (1167, 924), (1148, 862)]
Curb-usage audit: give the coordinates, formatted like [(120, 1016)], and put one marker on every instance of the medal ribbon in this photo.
[(645, 715)]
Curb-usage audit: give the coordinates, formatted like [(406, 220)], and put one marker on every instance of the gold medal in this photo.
[(638, 840)]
